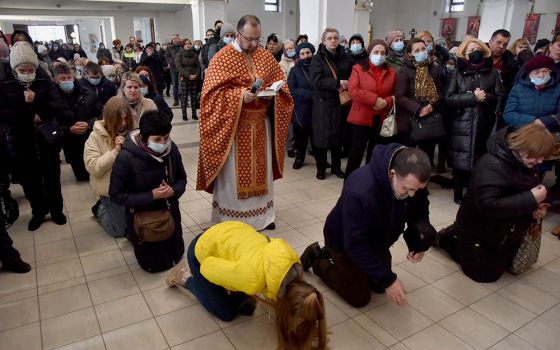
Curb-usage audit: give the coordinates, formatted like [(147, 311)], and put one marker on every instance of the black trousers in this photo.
[(346, 278), (301, 135), (73, 146), (363, 136), (321, 157), (49, 160), (27, 168)]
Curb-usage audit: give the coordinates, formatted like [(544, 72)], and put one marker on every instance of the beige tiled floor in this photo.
[(86, 290)]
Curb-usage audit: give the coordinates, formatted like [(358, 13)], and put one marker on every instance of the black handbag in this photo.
[(51, 131), (427, 128)]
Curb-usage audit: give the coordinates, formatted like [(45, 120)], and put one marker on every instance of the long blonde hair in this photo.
[(300, 318), (114, 109)]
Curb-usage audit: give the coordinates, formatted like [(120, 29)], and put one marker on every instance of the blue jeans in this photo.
[(215, 299), (112, 217), (175, 79)]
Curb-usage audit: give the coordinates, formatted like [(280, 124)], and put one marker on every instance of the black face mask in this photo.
[(306, 61), (476, 57)]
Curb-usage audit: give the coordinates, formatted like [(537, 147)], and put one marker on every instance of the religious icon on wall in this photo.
[(531, 28), (473, 25), (448, 28)]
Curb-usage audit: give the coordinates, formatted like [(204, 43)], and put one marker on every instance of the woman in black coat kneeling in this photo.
[(504, 198), (148, 175)]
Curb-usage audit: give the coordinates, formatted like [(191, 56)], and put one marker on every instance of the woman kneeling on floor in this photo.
[(504, 199), (230, 263)]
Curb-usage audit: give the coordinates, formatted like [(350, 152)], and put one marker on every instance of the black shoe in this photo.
[(95, 208), (185, 117), (167, 93), (14, 263), (248, 307), (320, 175), (35, 223), (328, 165), (58, 218), (271, 226), (194, 117), (298, 164), (449, 230), (175, 103), (291, 153), (311, 254), (339, 173)]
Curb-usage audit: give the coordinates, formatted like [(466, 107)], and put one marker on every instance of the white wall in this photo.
[(166, 23), (510, 14), (283, 23)]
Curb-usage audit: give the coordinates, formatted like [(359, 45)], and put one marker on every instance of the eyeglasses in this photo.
[(259, 40)]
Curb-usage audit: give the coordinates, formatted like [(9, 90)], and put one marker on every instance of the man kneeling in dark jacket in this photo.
[(376, 202)]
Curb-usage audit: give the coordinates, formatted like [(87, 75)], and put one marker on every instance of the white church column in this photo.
[(204, 14), (496, 14)]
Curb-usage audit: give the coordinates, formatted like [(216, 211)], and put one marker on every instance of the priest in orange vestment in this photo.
[(242, 136)]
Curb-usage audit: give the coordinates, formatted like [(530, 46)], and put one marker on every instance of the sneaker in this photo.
[(177, 275), (58, 218), (291, 153), (35, 223), (311, 254)]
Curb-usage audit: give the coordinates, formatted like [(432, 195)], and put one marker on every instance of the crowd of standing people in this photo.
[(413, 108)]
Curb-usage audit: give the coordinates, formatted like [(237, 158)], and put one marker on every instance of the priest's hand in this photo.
[(249, 97)]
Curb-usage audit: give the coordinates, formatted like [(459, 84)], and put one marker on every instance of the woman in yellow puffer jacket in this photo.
[(231, 262)]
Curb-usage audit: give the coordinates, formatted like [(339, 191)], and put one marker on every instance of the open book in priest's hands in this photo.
[(272, 89)]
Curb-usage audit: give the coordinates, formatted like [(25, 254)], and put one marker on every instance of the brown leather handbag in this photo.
[(344, 95), (155, 225)]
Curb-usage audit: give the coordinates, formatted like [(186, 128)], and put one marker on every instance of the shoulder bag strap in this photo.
[(331, 67)]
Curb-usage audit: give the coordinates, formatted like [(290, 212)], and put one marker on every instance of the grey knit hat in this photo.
[(226, 28), (21, 53)]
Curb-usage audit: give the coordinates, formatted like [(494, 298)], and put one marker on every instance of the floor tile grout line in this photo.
[(36, 271), (89, 291)]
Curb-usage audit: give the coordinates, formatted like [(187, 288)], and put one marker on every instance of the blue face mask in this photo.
[(356, 49), (291, 54), (429, 48), (94, 81), (159, 147), (397, 46), (540, 81), (66, 86), (227, 40), (377, 60), (421, 56)]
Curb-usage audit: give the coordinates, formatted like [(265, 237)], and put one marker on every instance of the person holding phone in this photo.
[(504, 198)]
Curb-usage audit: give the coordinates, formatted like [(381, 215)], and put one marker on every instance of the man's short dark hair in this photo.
[(412, 161), (93, 68), (254, 20), (502, 32), (218, 21), (211, 30), (154, 123), (62, 69)]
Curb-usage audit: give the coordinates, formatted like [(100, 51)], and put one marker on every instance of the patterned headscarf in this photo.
[(424, 86)]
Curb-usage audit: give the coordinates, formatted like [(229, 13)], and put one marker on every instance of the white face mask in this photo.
[(159, 147), (26, 77), (144, 90)]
